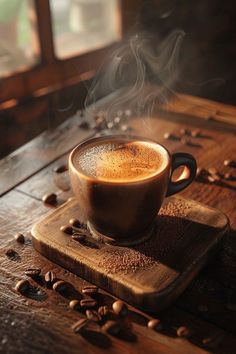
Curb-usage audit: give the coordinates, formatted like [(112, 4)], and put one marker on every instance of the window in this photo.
[(80, 26), (18, 36)]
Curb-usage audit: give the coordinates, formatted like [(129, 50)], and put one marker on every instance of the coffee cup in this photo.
[(120, 183)]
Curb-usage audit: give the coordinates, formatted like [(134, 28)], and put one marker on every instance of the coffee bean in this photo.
[(103, 310), (60, 168), (50, 198), (184, 131), (211, 179), (84, 125), (60, 286), (80, 325), (19, 237), (75, 222), (67, 229), (228, 176), (183, 332), (50, 278), (11, 253), (230, 163), (78, 237), (216, 177), (22, 286), (212, 171), (195, 133), (168, 136), (88, 303), (93, 315), (112, 327), (155, 325), (90, 290), (120, 308), (32, 272), (74, 305)]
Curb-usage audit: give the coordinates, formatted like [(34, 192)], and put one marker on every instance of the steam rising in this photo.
[(142, 71)]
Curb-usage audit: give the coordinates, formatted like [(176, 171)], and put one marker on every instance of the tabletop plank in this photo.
[(40, 152)]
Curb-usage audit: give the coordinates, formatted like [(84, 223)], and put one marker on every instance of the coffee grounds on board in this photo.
[(169, 232)]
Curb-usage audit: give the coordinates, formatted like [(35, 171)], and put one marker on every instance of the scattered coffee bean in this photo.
[(168, 136), (228, 176), (212, 171), (88, 303), (155, 325), (183, 331), (195, 133), (230, 163), (75, 222), (110, 125), (50, 198), (184, 131), (211, 179), (60, 286), (22, 286), (67, 229), (120, 308), (80, 325), (112, 327), (33, 272), (78, 237), (50, 278), (11, 253), (60, 168), (93, 315), (19, 237), (103, 310), (74, 305), (90, 290), (84, 125), (216, 177)]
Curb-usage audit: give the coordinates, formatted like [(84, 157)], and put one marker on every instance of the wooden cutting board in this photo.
[(150, 275)]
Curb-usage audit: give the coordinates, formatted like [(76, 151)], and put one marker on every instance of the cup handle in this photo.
[(188, 174)]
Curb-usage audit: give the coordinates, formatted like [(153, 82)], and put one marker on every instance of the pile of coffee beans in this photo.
[(185, 136), (77, 230), (212, 175)]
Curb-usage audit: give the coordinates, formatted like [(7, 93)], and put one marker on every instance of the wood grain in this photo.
[(167, 268), (49, 321), (40, 152)]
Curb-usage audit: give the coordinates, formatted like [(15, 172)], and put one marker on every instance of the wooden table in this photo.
[(43, 324)]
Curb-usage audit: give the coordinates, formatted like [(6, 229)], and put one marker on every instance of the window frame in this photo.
[(52, 74)]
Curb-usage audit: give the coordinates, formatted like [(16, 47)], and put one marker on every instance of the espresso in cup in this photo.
[(120, 183)]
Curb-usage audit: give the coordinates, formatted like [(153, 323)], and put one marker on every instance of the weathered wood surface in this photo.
[(40, 152), (42, 323), (208, 304), (165, 268)]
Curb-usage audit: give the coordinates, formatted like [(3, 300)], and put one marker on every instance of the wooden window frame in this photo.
[(53, 74)]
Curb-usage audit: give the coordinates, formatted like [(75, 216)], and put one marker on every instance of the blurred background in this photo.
[(50, 51)]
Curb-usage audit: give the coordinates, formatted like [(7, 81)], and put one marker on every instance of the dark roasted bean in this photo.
[(228, 176), (93, 315), (112, 327), (183, 331), (19, 237), (230, 163), (50, 278), (75, 222), (22, 286), (120, 308), (74, 305), (103, 310), (216, 177), (84, 125), (32, 272), (211, 179), (168, 136), (90, 290), (67, 229), (88, 303), (60, 286), (11, 253), (184, 131), (195, 133), (60, 168), (155, 324), (78, 237), (50, 198), (79, 325)]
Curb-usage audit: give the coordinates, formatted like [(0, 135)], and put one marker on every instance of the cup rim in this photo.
[(116, 182)]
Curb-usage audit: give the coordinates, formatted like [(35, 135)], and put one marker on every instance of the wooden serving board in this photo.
[(149, 275)]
